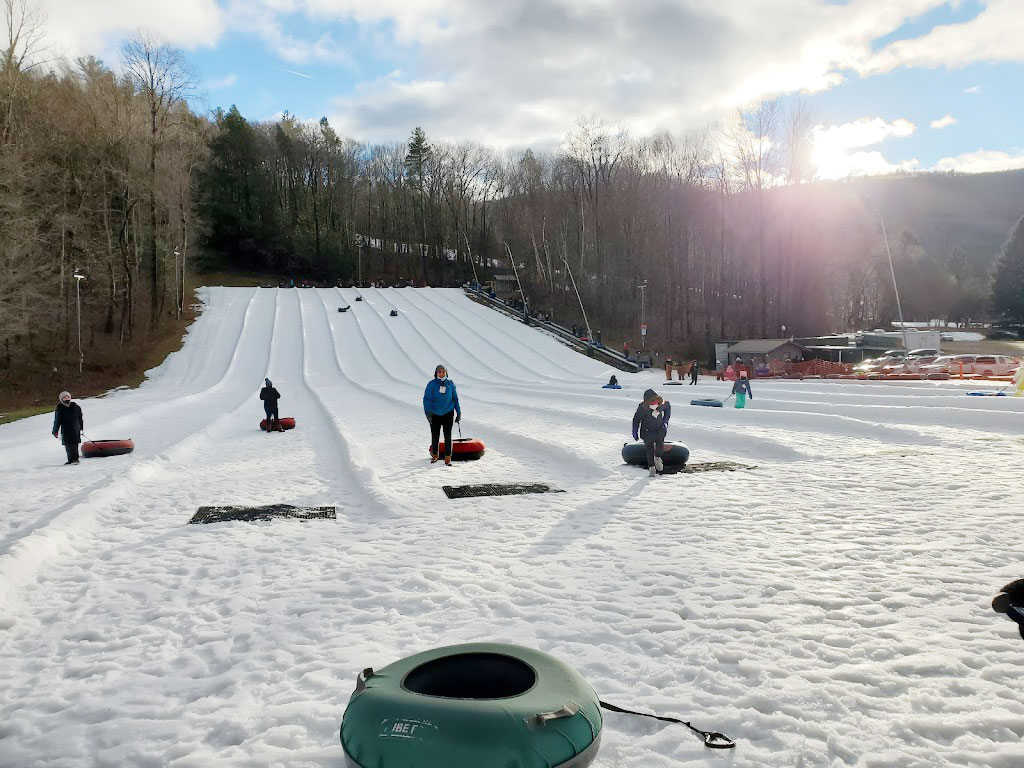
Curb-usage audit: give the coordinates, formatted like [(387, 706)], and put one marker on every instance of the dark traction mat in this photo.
[(708, 466), (496, 489), (270, 512)]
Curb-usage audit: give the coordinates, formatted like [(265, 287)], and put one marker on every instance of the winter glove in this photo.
[(458, 418), (54, 434)]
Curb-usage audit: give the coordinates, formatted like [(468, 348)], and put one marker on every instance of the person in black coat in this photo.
[(694, 372), (270, 396), (650, 424), (67, 420)]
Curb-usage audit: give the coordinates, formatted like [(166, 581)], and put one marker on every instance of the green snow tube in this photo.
[(481, 705)]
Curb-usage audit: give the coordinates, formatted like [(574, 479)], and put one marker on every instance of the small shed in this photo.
[(758, 350), (505, 285)]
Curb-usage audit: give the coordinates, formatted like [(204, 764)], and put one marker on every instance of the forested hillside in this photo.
[(115, 187)]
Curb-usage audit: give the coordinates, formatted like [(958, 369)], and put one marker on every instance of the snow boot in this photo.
[(447, 461), (433, 457), (659, 464), (654, 472)]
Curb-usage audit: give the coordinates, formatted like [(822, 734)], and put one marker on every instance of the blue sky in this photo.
[(876, 74)]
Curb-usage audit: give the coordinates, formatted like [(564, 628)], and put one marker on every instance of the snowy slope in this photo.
[(828, 608)]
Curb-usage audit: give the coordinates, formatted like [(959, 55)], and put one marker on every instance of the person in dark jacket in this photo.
[(441, 406), (67, 420), (694, 372), (741, 388), (613, 383), (650, 424), (270, 396)]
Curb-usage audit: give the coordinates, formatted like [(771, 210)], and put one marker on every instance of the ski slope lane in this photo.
[(829, 607)]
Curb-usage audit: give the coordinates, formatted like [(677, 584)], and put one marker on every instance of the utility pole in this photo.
[(470, 252), (892, 269), (78, 300), (526, 308), (585, 321)]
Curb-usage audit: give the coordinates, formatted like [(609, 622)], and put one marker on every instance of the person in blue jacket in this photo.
[(650, 424), (441, 407), (741, 388)]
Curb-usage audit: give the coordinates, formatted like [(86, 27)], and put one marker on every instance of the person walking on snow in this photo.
[(270, 396), (742, 390), (67, 420), (440, 406), (650, 424), (694, 372)]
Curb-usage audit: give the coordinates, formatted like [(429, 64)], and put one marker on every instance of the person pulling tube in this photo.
[(742, 390), (441, 406), (650, 424), (67, 420)]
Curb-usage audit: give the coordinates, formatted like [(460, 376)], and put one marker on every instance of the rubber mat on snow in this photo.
[(270, 512), (707, 466), (496, 489)]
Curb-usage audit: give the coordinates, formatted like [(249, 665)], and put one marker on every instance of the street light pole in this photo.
[(179, 285), (643, 318), (78, 300)]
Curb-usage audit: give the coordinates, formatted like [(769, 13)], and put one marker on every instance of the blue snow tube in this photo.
[(708, 401), (987, 394)]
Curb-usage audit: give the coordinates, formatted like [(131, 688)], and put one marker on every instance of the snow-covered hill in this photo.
[(828, 608)]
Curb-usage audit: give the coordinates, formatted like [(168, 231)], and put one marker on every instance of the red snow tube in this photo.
[(286, 423), (463, 449), (96, 449)]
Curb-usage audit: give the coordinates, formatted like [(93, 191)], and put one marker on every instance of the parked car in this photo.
[(876, 364), (973, 365), (910, 364)]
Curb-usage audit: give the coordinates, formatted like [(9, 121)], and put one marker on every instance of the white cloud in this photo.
[(943, 122), (505, 71), (982, 161), (97, 27), (836, 150), (222, 82), (993, 35), (973, 89)]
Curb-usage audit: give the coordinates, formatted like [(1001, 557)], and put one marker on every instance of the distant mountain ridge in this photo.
[(974, 212)]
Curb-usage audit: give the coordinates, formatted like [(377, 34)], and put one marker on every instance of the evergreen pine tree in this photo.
[(1008, 282), (416, 160)]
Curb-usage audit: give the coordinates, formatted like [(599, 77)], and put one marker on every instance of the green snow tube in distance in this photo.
[(480, 705)]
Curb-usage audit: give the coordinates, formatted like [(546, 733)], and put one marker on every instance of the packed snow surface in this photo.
[(830, 607)]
